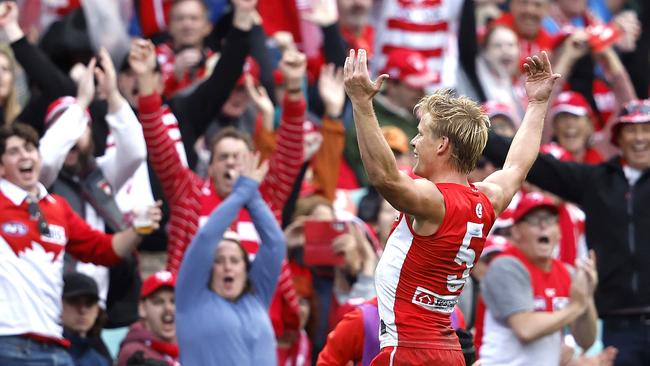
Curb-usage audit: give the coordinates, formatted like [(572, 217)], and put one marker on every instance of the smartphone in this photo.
[(319, 236)]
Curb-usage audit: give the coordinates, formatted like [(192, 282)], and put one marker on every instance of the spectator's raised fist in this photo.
[(185, 60), (246, 15), (86, 86), (293, 66), (106, 76), (323, 13), (8, 13), (142, 57)]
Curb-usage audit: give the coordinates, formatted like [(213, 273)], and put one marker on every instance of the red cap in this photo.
[(570, 102), (250, 67), (494, 244), (58, 107), (531, 201), (557, 151), (409, 67), (636, 111), (156, 281), (493, 108)]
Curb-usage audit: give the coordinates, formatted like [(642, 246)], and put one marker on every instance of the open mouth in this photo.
[(168, 319), (639, 147), (228, 280), (544, 240), (26, 168)]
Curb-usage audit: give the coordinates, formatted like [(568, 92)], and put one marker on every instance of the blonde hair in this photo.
[(462, 121), (10, 104)]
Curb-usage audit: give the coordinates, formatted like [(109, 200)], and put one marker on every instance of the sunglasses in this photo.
[(35, 214)]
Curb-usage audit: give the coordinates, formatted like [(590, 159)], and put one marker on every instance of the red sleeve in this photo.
[(286, 160), (345, 342), (85, 243), (174, 177), (285, 310)]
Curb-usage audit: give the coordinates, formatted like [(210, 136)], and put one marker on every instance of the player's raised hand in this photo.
[(539, 78), (358, 85)]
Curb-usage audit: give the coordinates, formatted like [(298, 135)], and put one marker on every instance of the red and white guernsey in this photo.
[(419, 278), (31, 263)]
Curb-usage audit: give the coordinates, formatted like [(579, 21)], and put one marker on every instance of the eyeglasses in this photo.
[(539, 219), (35, 214)]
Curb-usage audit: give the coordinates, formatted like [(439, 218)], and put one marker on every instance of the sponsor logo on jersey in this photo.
[(539, 303), (560, 303), (55, 235), (14, 228), (431, 301)]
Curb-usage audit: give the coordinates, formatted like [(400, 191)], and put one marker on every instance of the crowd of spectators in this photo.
[(180, 180)]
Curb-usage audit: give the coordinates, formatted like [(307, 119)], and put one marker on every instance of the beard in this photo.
[(85, 162)]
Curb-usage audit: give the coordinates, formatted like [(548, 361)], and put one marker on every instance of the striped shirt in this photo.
[(185, 190)]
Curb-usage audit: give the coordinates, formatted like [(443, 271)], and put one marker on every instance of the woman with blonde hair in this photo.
[(9, 106)]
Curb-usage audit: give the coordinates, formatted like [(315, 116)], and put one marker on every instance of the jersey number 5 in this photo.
[(465, 255)]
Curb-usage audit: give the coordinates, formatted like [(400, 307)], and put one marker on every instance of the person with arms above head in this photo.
[(221, 297), (155, 334), (409, 75), (37, 229), (444, 219), (89, 184), (183, 59), (530, 296), (191, 197), (525, 18), (83, 319), (613, 195)]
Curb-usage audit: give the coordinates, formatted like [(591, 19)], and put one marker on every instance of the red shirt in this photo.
[(31, 263), (189, 195), (527, 47), (166, 56), (419, 278)]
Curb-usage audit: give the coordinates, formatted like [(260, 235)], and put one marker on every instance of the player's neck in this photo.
[(449, 176)]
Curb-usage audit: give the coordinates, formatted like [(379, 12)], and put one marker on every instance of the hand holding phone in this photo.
[(320, 238)]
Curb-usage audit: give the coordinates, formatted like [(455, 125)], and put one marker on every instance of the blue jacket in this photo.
[(82, 352), (210, 329)]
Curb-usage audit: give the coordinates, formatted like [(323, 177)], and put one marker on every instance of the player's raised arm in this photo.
[(419, 198), (502, 185)]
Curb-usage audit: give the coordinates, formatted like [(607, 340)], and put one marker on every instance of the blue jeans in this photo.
[(21, 351), (631, 335)]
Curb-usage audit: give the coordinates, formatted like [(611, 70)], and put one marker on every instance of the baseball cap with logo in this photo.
[(636, 111), (396, 138), (570, 102), (157, 280), (531, 201), (409, 67)]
